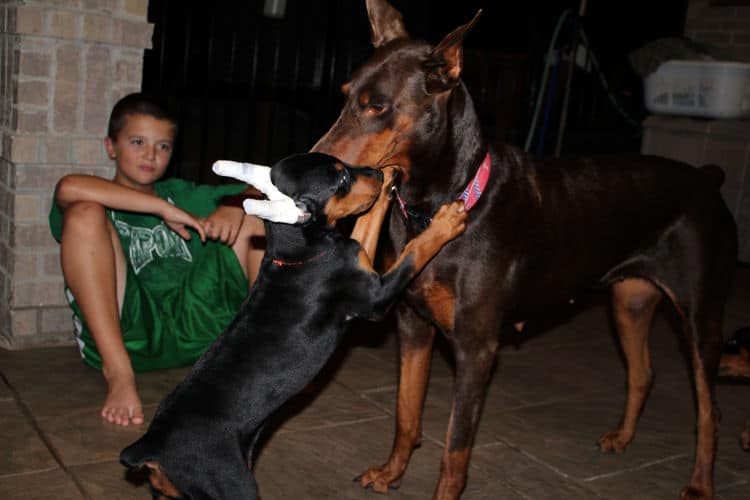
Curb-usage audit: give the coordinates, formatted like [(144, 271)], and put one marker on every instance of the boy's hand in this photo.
[(179, 220), (224, 224)]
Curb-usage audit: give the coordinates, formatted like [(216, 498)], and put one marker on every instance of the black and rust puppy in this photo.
[(312, 282), (735, 362), (541, 231)]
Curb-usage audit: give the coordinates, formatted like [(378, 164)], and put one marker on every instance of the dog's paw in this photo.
[(613, 442), (451, 218), (379, 478), (694, 493)]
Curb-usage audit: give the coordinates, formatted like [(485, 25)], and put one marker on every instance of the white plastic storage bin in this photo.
[(710, 89)]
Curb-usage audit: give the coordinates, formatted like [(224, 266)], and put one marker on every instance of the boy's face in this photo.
[(141, 151)]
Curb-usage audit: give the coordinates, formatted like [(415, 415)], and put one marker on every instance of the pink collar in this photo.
[(475, 188), (282, 263), (471, 194)]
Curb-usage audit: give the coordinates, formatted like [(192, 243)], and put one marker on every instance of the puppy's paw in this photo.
[(451, 219)]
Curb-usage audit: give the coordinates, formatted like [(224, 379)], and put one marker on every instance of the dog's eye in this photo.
[(345, 183), (375, 109)]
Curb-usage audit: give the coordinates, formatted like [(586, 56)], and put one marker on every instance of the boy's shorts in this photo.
[(175, 329)]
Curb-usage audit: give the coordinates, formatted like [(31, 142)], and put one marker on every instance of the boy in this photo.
[(145, 293)]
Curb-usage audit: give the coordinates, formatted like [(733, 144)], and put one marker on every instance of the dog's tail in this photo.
[(714, 173)]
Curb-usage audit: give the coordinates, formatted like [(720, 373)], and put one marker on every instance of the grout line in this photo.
[(28, 472), (739, 482), (334, 425), (632, 469), (43, 436)]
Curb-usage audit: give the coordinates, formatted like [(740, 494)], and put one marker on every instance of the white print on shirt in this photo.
[(145, 242)]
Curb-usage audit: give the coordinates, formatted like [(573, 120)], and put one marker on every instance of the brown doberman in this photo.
[(540, 232)]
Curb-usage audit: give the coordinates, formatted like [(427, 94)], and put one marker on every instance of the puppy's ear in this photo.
[(443, 67), (386, 23)]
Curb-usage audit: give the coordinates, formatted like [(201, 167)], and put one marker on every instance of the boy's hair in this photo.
[(136, 104)]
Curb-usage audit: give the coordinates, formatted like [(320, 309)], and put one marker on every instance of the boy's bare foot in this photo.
[(122, 406)]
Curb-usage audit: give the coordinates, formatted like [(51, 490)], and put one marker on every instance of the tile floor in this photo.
[(550, 398)]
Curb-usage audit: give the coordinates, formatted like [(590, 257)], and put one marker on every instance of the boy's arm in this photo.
[(77, 188)]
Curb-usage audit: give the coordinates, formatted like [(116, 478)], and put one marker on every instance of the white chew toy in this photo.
[(278, 208)]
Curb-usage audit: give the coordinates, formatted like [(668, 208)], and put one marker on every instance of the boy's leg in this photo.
[(95, 270), (250, 246)]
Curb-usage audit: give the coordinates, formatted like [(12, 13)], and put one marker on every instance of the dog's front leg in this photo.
[(448, 223), (416, 338), (367, 228)]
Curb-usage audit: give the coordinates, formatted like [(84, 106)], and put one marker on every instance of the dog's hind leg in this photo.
[(634, 302), (416, 339), (702, 329)]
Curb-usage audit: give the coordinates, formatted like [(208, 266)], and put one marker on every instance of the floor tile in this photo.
[(45, 485), (83, 438), (499, 466), (107, 481), (23, 450)]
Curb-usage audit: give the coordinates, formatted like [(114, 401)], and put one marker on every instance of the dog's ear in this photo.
[(386, 23), (446, 60)]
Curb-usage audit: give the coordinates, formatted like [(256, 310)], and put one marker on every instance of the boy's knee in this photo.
[(84, 216)]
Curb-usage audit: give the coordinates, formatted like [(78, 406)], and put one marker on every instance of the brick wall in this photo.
[(63, 64), (725, 27)]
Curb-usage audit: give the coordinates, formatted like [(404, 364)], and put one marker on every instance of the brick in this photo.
[(136, 34), (34, 93), (97, 88), (23, 322), (51, 265), (5, 257), (5, 203), (59, 319), (28, 20), (89, 151), (64, 24), (5, 196), (32, 121), (27, 208), (56, 149), (36, 236), (97, 28), (65, 107), (128, 71), (25, 266), (35, 64), (68, 63), (108, 6), (24, 148), (136, 8), (44, 178), (37, 294)]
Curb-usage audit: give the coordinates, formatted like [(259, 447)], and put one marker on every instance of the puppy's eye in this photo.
[(345, 183)]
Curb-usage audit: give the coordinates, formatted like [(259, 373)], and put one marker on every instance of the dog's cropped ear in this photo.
[(386, 23), (446, 60)]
